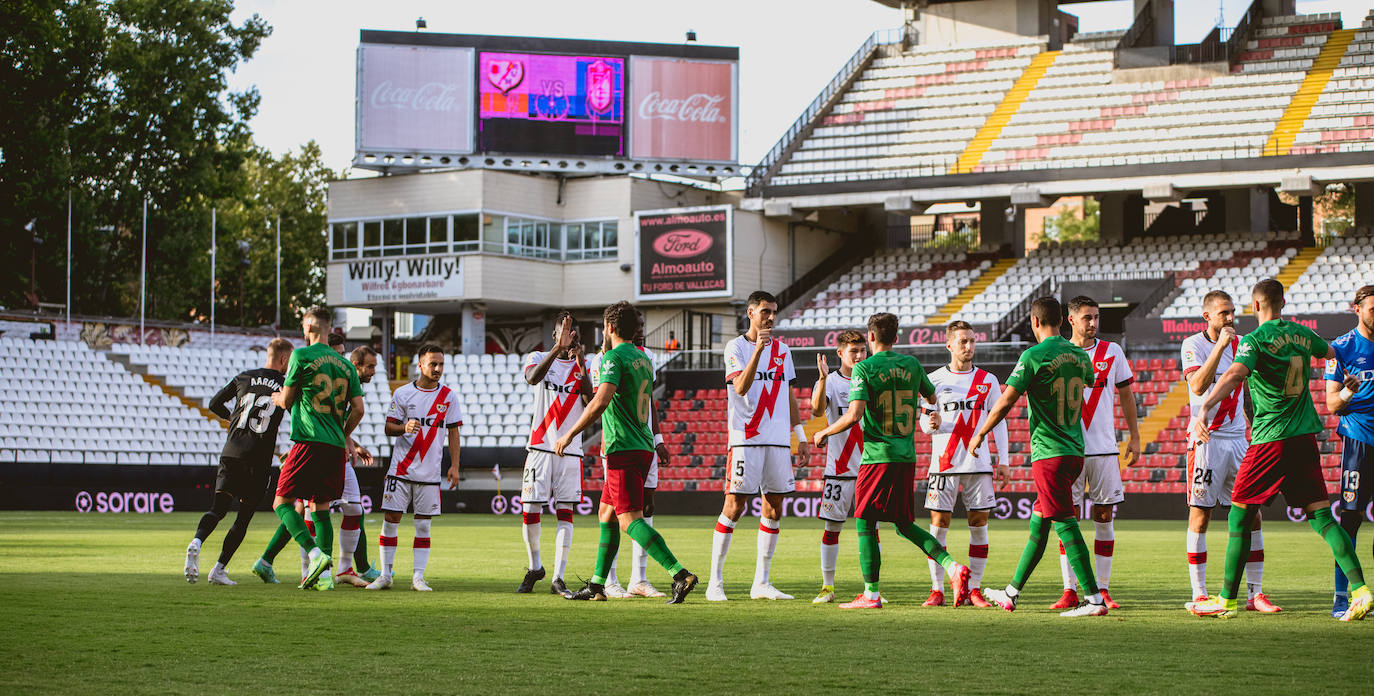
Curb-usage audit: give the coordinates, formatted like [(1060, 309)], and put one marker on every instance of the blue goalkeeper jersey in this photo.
[(1355, 354)]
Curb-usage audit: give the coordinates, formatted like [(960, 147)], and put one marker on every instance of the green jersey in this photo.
[(625, 423), (889, 384), (1279, 355), (328, 383), (1052, 375)]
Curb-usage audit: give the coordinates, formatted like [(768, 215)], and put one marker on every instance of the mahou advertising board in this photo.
[(684, 253), (683, 109)]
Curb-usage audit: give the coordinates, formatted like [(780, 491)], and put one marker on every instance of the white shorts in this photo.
[(549, 478), (399, 494), (760, 470), (1212, 468), (1102, 475), (837, 499), (941, 490)]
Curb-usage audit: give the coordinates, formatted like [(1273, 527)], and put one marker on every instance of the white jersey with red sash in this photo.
[(964, 399), (1228, 417), (762, 417), (416, 457), (557, 404), (1111, 371), (843, 451)]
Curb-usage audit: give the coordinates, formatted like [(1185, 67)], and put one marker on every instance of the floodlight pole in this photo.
[(277, 326), (143, 273), (69, 257), (213, 248)]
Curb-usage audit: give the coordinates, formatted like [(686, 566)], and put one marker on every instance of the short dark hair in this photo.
[(884, 326), (1362, 294), (278, 347), (426, 349), (561, 315), (1048, 311), (335, 339), (623, 319), (321, 315), (1215, 295), (957, 325), (849, 338), (758, 297), (1080, 302), (1270, 291), (360, 354)]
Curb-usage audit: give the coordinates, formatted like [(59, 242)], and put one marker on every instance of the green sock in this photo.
[(605, 553), (324, 531), (1341, 546), (870, 558), (653, 544), (360, 564), (1077, 551), (295, 525), (277, 543), (1239, 522), (1035, 548), (929, 544)]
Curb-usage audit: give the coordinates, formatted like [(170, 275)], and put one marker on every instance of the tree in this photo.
[(1074, 224)]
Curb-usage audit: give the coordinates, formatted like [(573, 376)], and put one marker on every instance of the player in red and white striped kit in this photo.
[(842, 452), (1102, 465), (561, 392), (965, 395)]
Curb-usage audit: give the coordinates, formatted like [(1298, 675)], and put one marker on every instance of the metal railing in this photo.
[(847, 256), (1142, 25), (1235, 43), (1013, 318)]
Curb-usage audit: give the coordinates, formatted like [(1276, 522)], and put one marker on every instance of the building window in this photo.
[(466, 231), (344, 240), (531, 238), (591, 240), (372, 238)]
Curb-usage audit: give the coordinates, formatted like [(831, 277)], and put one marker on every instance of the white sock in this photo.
[(830, 552), (1094, 598), (1012, 591), (977, 555), (1104, 543), (563, 543), (720, 547), (387, 541), (305, 560), (1070, 581), (639, 561), (1254, 566), (421, 547), (1197, 562), (219, 568), (195, 544), (611, 578), (348, 538), (937, 572), (530, 527), (768, 543)]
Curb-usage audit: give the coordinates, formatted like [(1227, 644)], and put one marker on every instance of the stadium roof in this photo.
[(897, 4)]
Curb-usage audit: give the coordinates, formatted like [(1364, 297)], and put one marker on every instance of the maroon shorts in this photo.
[(885, 492), (626, 473), (312, 471), (1054, 479), (1291, 466)]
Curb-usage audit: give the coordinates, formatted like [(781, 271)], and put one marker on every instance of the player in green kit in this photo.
[(1052, 374), (623, 402), (1274, 361), (893, 384)]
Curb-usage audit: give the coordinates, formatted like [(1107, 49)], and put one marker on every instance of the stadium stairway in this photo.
[(1295, 116), (1011, 103), (1160, 417), (1294, 270), (971, 291), (164, 387)]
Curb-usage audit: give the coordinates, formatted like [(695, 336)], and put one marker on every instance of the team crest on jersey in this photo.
[(441, 408), (777, 360), (982, 388), (1101, 365), (1349, 496)]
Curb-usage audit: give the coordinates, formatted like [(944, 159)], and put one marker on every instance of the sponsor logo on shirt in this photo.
[(769, 376)]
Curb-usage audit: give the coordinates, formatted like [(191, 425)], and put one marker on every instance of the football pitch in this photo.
[(98, 603)]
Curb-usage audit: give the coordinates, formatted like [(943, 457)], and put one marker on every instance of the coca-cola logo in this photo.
[(431, 96), (682, 243), (697, 108)]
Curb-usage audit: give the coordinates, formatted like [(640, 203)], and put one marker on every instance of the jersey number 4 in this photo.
[(255, 412)]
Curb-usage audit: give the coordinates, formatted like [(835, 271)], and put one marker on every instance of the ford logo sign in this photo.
[(682, 243)]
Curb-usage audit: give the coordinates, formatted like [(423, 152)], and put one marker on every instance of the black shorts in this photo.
[(242, 478), (1357, 473)]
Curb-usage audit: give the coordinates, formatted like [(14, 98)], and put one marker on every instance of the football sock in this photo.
[(870, 558), (1238, 524), (1104, 543), (305, 561), (1197, 562), (977, 554), (305, 554), (639, 558), (324, 531), (295, 526), (386, 545), (562, 542), (348, 540), (218, 509), (360, 561), (279, 539), (235, 535), (1254, 567), (1350, 522), (606, 551), (937, 572), (531, 527), (613, 577), (768, 543), (1070, 583), (653, 545), (1035, 548), (421, 546), (1341, 546), (1077, 551), (932, 548), (830, 552), (720, 547)]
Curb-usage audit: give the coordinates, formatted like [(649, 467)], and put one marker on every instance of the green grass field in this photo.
[(97, 603)]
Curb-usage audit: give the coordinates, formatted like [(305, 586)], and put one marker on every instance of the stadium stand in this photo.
[(1325, 286), (495, 398)]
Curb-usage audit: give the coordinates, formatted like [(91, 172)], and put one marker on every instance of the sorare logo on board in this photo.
[(682, 243)]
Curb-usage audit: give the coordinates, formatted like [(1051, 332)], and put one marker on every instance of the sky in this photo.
[(789, 49)]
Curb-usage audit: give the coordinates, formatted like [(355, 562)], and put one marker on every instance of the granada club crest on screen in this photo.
[(600, 87), (684, 253)]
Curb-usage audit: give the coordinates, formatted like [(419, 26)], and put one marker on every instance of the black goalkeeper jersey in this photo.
[(254, 420)]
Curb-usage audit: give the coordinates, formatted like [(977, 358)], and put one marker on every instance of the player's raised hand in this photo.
[(1226, 335), (822, 365), (1198, 430), (412, 426), (1132, 454), (566, 335), (765, 337), (1001, 474)]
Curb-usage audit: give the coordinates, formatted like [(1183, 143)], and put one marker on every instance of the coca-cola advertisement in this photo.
[(414, 99), (683, 109), (684, 253)]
